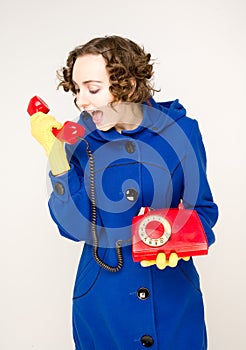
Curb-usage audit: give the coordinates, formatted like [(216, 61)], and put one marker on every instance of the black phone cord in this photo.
[(118, 247)]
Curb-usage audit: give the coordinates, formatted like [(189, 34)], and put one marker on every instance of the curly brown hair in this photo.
[(126, 62)]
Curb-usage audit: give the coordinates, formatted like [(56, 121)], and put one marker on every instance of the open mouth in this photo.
[(97, 116)]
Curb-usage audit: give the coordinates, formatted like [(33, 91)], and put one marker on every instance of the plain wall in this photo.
[(200, 53)]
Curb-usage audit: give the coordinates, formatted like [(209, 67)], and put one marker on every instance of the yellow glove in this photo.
[(41, 129), (162, 262)]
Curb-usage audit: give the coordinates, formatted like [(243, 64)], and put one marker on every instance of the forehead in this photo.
[(89, 67)]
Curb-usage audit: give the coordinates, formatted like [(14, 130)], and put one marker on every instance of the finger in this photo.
[(173, 260), (146, 263), (37, 116), (45, 118), (161, 261)]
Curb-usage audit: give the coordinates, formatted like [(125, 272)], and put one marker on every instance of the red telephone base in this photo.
[(167, 230)]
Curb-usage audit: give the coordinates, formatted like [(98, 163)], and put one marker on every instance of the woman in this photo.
[(135, 153)]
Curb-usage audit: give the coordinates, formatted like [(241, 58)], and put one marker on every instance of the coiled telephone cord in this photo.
[(118, 247)]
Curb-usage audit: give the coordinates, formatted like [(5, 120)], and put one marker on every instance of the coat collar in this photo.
[(156, 117)]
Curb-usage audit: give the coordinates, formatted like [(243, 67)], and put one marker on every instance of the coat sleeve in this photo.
[(196, 193), (69, 203)]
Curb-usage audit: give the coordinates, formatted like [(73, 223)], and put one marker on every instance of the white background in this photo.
[(200, 51)]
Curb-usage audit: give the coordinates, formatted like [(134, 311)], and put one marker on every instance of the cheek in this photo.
[(104, 98)]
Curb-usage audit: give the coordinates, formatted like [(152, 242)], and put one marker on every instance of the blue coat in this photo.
[(157, 164)]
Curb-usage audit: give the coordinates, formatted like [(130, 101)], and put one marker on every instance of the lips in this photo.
[(97, 116)]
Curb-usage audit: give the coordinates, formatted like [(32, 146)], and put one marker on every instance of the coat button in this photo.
[(131, 194), (143, 293), (147, 341), (59, 188), (130, 147)]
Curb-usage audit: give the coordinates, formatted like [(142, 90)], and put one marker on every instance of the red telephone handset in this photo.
[(70, 132)]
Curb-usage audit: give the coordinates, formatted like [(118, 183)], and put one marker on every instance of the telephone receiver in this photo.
[(71, 132)]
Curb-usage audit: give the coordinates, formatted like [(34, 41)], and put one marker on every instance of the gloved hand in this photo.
[(41, 129), (162, 262)]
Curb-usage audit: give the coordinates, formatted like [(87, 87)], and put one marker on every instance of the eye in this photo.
[(94, 91)]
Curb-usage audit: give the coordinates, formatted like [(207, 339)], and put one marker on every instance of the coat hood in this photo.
[(160, 115)]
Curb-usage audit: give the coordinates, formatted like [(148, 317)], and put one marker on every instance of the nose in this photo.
[(81, 101)]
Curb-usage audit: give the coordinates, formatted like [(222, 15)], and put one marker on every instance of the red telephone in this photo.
[(70, 132), (170, 230)]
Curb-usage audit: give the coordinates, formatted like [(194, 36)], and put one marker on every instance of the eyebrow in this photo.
[(89, 81)]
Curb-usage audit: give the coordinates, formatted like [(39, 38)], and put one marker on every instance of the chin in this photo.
[(104, 127)]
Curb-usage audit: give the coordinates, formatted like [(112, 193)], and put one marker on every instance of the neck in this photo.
[(131, 117)]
